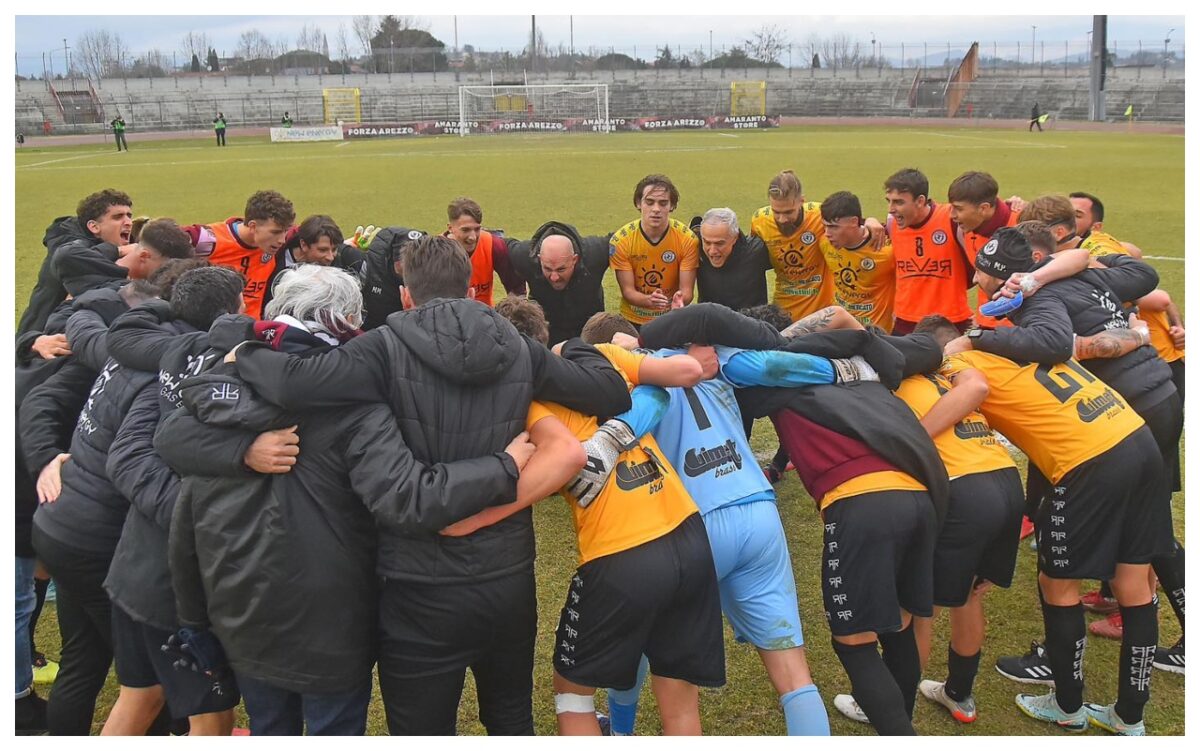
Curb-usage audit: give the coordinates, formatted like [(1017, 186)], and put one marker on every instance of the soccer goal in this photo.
[(342, 105), (529, 107)]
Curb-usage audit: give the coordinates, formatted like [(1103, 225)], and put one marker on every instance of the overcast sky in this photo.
[(38, 34)]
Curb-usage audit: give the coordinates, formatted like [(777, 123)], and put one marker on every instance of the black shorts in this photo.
[(979, 538), (1111, 509), (141, 663), (878, 559), (659, 599), (1165, 421)]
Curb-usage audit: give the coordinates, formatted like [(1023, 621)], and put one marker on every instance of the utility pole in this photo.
[(532, 43), (1032, 47), (710, 57), (1166, 43), (456, 33)]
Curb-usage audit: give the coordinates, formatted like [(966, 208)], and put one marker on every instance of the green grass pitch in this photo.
[(524, 180)]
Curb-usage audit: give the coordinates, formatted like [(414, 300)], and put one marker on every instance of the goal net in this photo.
[(342, 105), (531, 107)]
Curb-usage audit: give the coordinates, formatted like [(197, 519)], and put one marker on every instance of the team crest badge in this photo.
[(266, 257), (415, 234), (868, 264), (669, 257), (939, 237), (990, 248), (808, 238)]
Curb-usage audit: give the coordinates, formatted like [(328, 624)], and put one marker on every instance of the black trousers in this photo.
[(431, 633), (85, 625), (220, 137)]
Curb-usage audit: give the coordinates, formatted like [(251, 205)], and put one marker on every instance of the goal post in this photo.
[(533, 103), (342, 104), (747, 98)]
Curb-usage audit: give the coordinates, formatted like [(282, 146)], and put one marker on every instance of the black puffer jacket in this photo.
[(459, 379), (380, 282), (49, 290), (282, 566), (147, 339), (1086, 304), (566, 310), (90, 511)]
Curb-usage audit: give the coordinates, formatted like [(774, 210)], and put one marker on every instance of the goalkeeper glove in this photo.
[(606, 444), (853, 369), (363, 236)]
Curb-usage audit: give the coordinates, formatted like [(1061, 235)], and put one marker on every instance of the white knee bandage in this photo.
[(574, 703)]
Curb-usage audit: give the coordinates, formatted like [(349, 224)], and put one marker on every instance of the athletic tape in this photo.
[(581, 703)]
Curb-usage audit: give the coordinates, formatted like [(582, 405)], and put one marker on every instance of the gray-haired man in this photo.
[(733, 266)]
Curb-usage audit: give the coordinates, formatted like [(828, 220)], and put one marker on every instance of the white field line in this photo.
[(1163, 258), (377, 155), (1025, 144), (65, 159)]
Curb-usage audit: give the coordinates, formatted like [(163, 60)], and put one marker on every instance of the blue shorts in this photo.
[(754, 574)]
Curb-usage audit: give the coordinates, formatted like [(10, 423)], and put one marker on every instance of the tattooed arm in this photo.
[(825, 319), (1110, 344)]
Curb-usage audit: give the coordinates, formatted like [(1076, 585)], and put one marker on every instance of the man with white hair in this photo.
[(733, 266), (280, 564)]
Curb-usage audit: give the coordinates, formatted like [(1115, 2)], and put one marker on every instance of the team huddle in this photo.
[(263, 460)]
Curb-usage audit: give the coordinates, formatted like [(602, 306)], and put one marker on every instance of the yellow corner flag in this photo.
[(1129, 111)]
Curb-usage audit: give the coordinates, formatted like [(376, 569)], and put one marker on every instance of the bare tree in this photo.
[(253, 44), (767, 44), (841, 51), (101, 53), (195, 43), (309, 38), (281, 47), (364, 30), (343, 44)]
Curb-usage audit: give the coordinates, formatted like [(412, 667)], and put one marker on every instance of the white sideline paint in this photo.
[(1025, 144)]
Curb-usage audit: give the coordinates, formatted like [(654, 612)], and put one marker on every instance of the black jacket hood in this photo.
[(464, 341)]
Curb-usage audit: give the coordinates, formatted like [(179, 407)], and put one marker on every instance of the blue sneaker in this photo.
[(1045, 708), (605, 723), (1105, 717)]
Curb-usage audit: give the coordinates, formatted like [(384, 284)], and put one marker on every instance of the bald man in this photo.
[(565, 272)]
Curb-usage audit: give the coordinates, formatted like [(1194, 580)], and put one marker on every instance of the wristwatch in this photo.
[(974, 333)]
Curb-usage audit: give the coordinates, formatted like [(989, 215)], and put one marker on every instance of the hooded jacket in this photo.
[(566, 310), (459, 380), (281, 566), (380, 282), (49, 290)]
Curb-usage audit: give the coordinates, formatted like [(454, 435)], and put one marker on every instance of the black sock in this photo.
[(40, 586), (1169, 570), (780, 460), (1106, 590), (904, 663), (1066, 637), (874, 689), (1138, 641), (960, 679)]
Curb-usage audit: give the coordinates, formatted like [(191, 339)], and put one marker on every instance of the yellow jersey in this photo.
[(864, 281), (1103, 244), (642, 500), (802, 285), (1059, 415), (970, 447), (654, 265)]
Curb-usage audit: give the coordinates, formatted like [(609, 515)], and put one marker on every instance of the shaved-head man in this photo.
[(565, 272)]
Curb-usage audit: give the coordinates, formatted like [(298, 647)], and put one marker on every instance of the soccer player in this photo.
[(976, 206), (219, 128), (645, 582), (248, 244), (733, 266), (977, 546), (864, 276), (790, 227), (101, 219), (1097, 522), (565, 272), (317, 240), (487, 250), (932, 272), (654, 257)]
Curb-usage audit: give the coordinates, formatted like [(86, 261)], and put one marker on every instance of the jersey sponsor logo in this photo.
[(631, 476), (939, 237), (668, 257), (941, 268), (696, 463), (989, 249), (1090, 409), (793, 258), (652, 279), (808, 238), (969, 429)]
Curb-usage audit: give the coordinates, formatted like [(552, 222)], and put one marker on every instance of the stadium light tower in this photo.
[(1166, 44), (1032, 45)]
